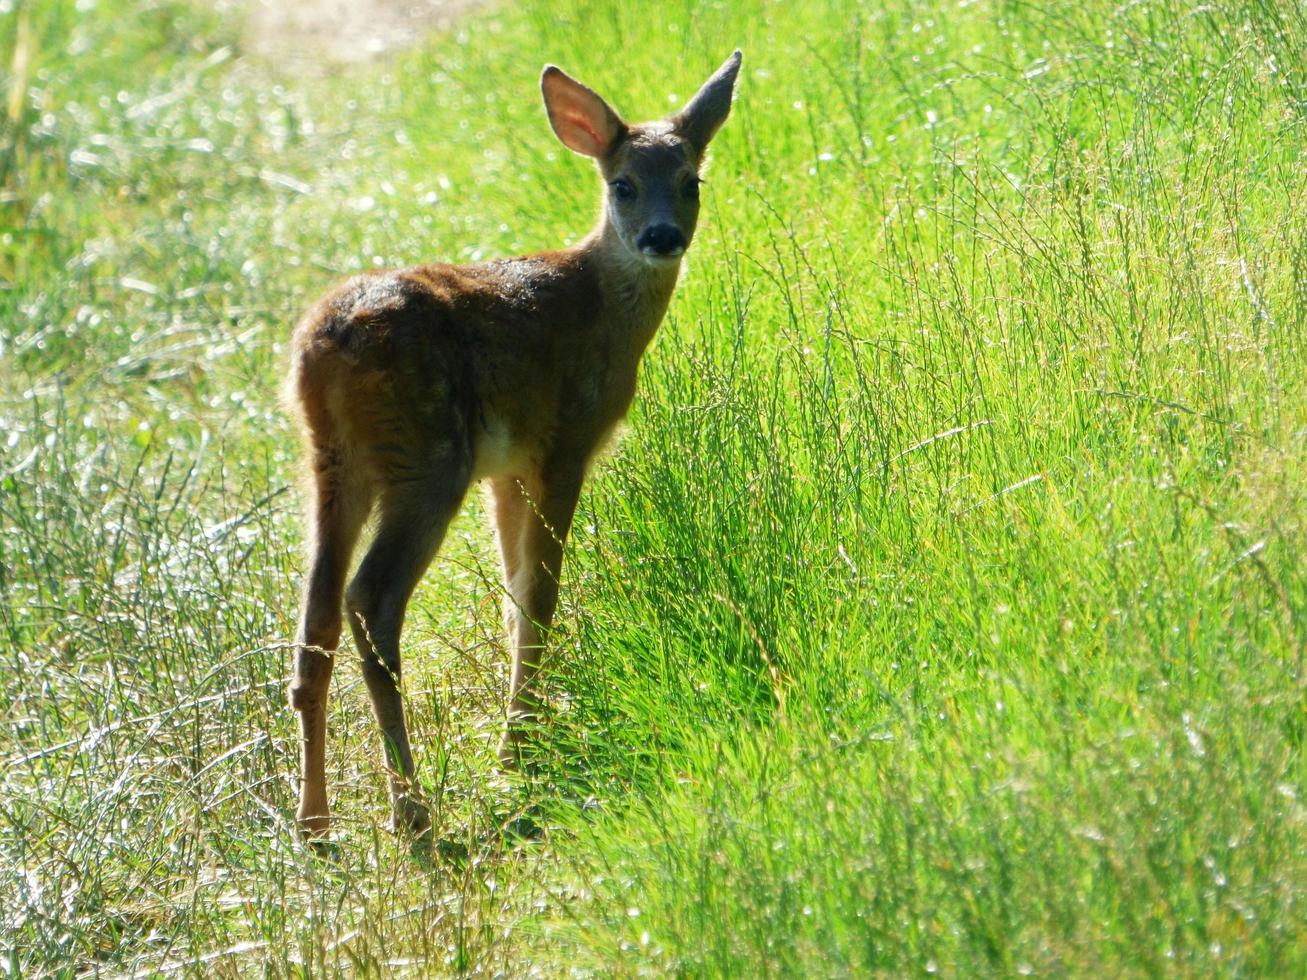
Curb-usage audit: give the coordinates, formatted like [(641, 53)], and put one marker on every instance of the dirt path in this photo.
[(322, 34)]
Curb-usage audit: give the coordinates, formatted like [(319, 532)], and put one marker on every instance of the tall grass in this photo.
[(942, 610)]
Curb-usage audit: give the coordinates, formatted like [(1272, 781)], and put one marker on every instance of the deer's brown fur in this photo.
[(412, 384)]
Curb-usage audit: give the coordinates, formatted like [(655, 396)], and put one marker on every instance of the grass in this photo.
[(942, 611)]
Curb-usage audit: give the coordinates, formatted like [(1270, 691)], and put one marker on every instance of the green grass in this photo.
[(942, 611)]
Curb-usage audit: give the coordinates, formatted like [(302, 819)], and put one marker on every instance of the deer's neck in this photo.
[(635, 293)]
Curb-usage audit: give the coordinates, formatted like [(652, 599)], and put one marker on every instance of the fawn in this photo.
[(412, 384)]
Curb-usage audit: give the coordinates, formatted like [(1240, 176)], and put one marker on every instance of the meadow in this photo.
[(942, 611)]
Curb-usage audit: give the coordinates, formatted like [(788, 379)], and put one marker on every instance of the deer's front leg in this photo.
[(532, 519)]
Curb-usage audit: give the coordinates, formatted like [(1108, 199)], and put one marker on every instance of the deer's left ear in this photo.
[(584, 122), (704, 114)]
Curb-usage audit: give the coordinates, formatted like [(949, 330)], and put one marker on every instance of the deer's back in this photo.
[(441, 359)]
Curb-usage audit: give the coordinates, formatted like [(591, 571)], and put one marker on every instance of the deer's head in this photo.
[(650, 170)]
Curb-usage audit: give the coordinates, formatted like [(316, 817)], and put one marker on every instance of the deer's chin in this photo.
[(658, 260)]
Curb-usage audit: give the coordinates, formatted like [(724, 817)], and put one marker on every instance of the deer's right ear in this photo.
[(704, 114), (581, 119)]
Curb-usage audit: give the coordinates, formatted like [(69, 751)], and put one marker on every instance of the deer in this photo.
[(410, 385)]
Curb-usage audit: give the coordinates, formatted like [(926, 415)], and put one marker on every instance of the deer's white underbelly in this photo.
[(496, 453)]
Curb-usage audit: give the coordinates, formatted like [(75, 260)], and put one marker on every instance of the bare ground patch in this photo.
[(324, 34)]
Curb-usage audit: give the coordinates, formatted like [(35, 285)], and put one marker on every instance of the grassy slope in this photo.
[(942, 611)]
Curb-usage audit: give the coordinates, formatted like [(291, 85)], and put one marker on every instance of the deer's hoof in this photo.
[(515, 746), (313, 826), (510, 757), (411, 816)]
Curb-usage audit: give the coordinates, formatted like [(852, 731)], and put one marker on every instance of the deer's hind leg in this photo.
[(414, 514), (339, 505)]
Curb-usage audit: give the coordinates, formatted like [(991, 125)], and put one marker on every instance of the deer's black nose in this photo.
[(661, 240)]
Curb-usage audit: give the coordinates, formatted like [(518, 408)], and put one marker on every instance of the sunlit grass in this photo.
[(942, 611)]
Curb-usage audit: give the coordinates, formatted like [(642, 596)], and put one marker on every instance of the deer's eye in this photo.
[(691, 189), (623, 190)]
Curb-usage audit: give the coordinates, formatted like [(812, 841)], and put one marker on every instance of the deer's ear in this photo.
[(704, 114), (581, 119)]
